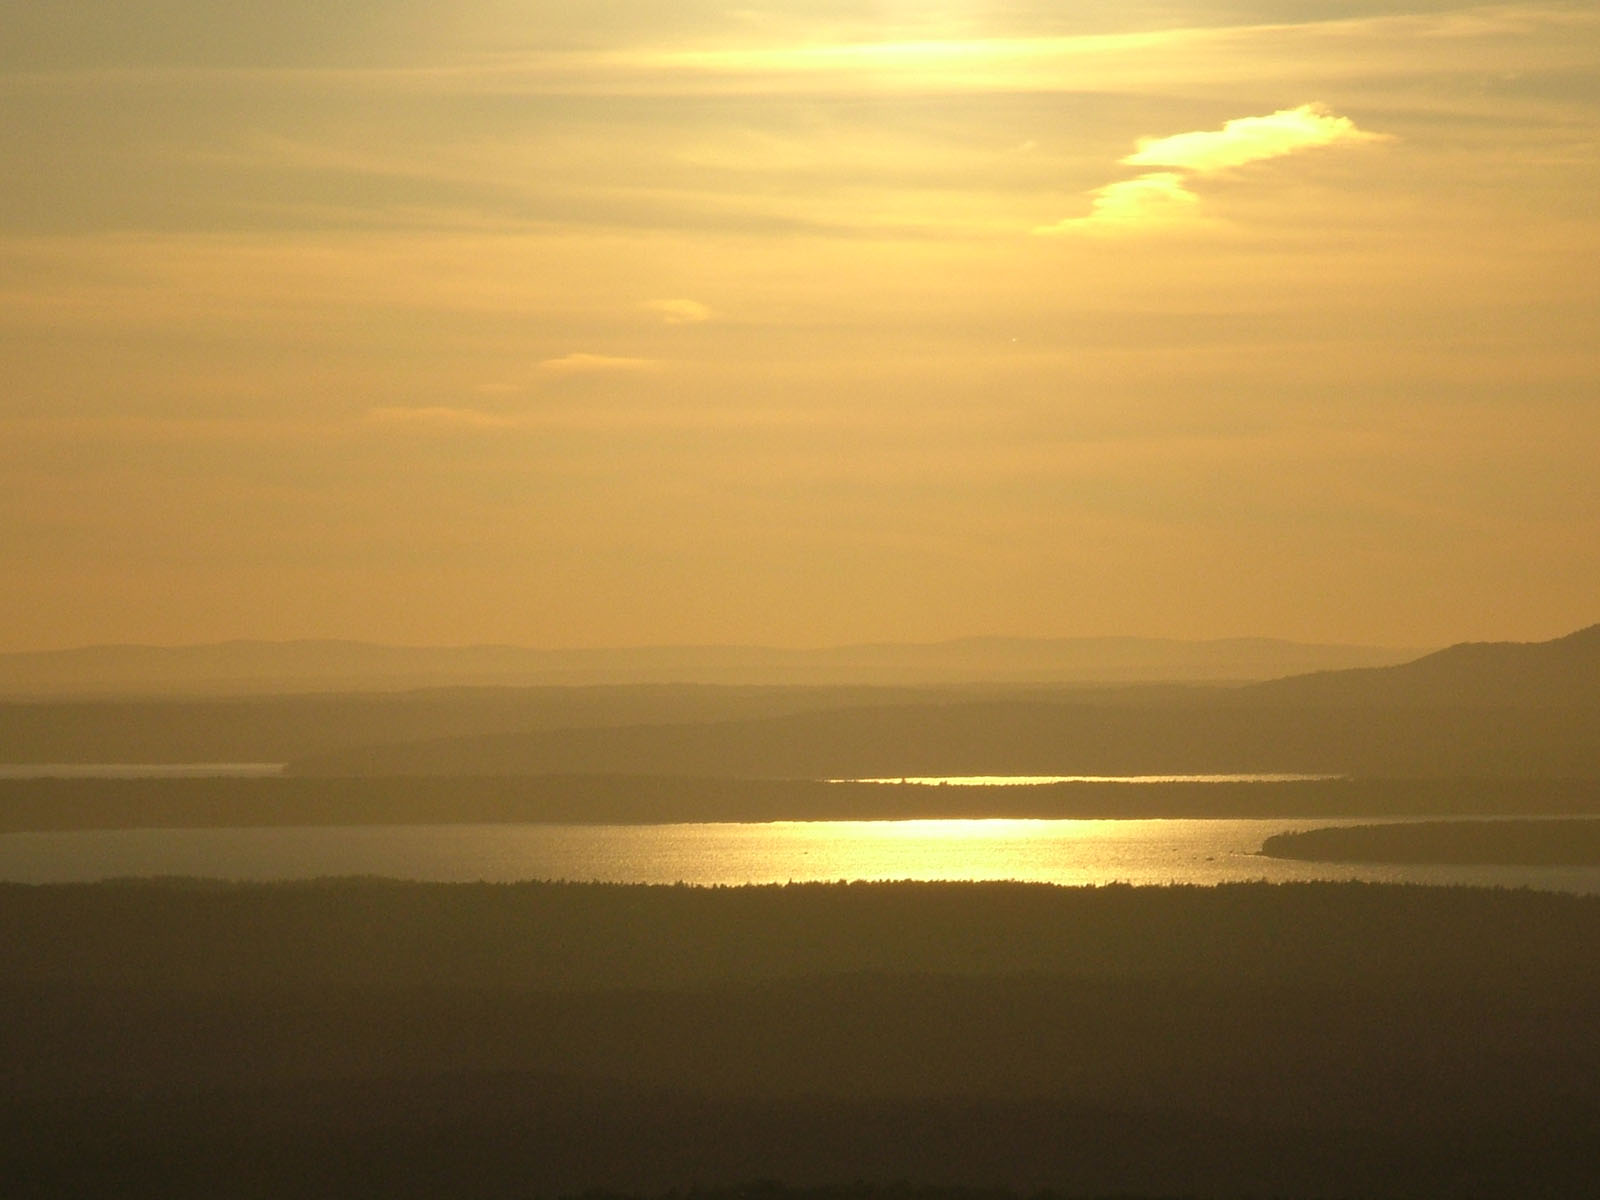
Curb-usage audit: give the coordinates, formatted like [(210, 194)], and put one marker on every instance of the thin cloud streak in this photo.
[(1250, 139), (509, 322), (681, 311), (440, 417), (598, 364), (1492, 38), (1162, 199), (642, 420), (1485, 38)]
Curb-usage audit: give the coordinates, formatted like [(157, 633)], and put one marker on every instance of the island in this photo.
[(1566, 842)]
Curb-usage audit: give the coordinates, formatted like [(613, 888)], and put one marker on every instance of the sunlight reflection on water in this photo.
[(1072, 852), (1036, 780)]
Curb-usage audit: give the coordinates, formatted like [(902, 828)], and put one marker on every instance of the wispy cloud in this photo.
[(1158, 199), (1162, 199), (1470, 38), (919, 58), (597, 364), (681, 311), (439, 417), (1250, 139)]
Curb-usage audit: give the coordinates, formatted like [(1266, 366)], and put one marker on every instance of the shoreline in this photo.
[(1548, 842), (61, 805)]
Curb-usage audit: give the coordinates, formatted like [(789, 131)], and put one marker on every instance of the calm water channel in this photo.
[(1073, 852), (1063, 852)]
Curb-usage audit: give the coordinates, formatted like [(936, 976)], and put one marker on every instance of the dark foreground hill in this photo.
[(377, 1039)]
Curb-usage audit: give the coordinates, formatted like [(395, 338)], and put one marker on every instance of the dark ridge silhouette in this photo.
[(500, 1136), (179, 935), (1507, 711), (66, 804), (1510, 843), (1564, 672), (363, 1038), (1028, 738), (328, 665), (1511, 710), (280, 728)]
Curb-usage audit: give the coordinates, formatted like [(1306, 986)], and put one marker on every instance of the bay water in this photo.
[(1070, 852)]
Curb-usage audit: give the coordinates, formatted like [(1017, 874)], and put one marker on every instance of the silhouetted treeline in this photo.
[(585, 937), (371, 1038), (45, 804), (1512, 843), (768, 1189), (500, 1136)]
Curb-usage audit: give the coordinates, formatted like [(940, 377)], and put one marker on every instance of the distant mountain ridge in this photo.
[(1529, 710), (239, 667), (1508, 710), (1561, 673)]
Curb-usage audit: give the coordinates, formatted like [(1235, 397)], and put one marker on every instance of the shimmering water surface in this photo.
[(1035, 780), (1048, 851)]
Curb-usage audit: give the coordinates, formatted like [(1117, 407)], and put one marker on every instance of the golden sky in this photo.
[(798, 323)]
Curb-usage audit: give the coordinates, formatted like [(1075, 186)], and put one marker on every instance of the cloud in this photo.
[(1250, 139), (439, 417), (1162, 199), (681, 311), (1157, 199), (596, 364)]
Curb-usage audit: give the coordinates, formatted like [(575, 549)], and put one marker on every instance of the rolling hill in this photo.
[(249, 667), (1561, 673), (1508, 710)]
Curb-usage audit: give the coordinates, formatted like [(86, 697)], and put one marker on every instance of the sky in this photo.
[(808, 323)]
